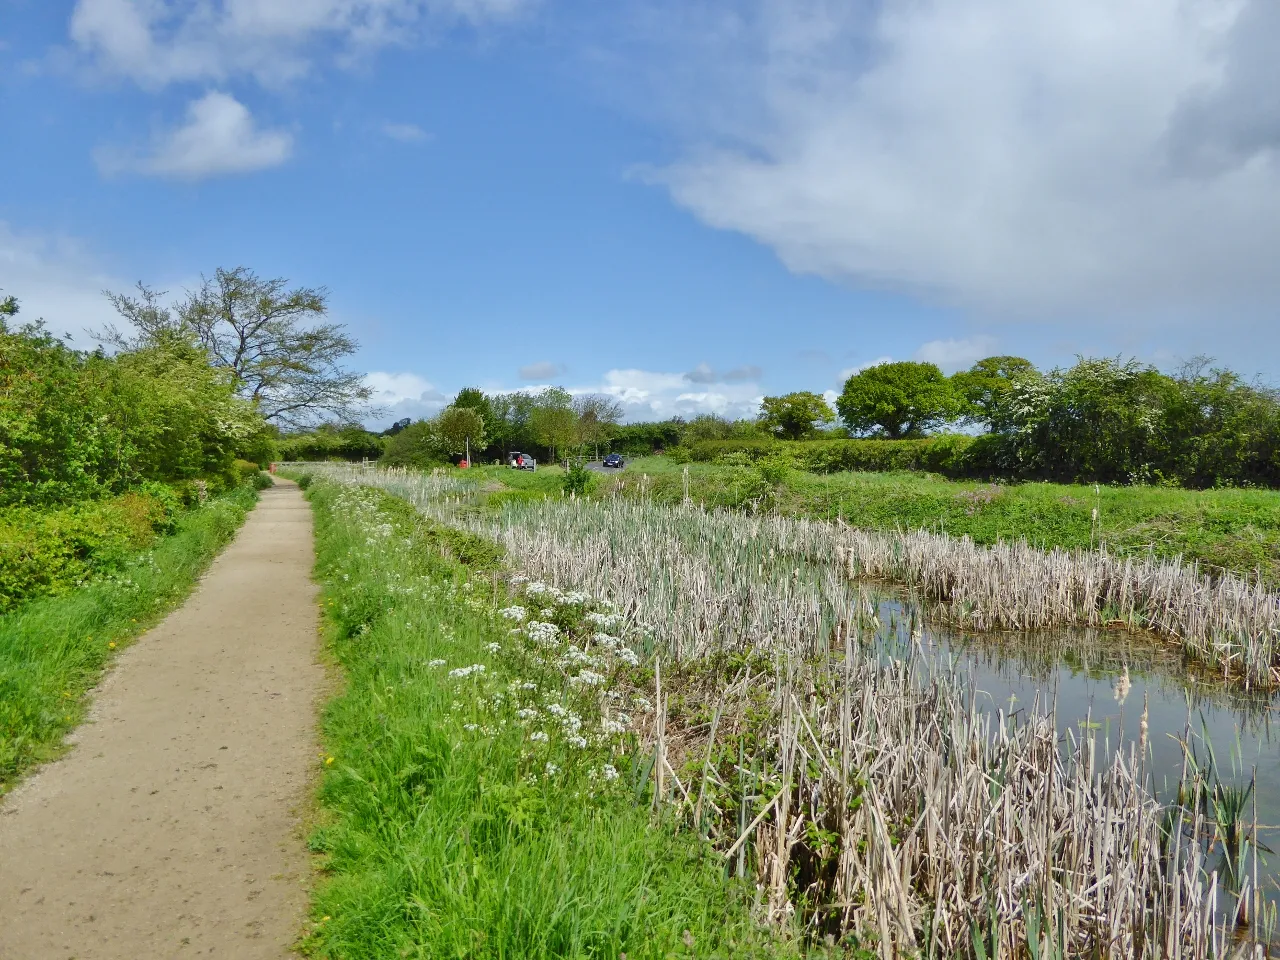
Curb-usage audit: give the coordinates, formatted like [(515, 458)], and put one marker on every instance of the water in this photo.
[(1080, 674)]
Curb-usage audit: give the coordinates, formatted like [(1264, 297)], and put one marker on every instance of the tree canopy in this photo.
[(985, 387), (795, 416), (904, 399), (271, 339)]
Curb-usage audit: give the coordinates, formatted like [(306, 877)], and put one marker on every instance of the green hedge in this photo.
[(949, 454)]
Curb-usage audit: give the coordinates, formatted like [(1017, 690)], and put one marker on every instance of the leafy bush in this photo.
[(48, 552), (77, 425), (577, 479), (946, 454)]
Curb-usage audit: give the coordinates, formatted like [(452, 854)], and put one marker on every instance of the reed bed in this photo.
[(871, 801), (1228, 622)]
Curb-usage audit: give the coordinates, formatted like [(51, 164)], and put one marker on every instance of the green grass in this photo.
[(443, 833), (53, 650), (1231, 529)]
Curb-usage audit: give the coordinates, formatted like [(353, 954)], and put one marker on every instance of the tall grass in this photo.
[(53, 650), (870, 801), (452, 827)]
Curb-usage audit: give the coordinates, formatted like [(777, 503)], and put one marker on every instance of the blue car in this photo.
[(613, 461)]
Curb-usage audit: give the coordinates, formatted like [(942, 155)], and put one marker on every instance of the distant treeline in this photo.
[(1101, 420)]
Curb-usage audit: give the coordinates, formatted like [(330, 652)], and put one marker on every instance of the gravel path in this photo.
[(172, 828)]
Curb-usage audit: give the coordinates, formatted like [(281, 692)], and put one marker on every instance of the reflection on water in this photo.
[(1103, 681)]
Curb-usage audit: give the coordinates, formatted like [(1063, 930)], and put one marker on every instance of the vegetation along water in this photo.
[(887, 778)]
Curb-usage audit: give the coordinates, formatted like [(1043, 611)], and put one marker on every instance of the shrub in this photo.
[(47, 552), (947, 454), (577, 479)]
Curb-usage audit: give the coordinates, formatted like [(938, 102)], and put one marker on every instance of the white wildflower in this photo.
[(514, 613), (610, 772), (467, 671), (538, 737)]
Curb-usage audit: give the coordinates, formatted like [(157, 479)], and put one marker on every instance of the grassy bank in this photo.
[(1233, 529), (477, 802), (54, 649)]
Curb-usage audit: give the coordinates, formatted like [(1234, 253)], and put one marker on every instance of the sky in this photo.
[(685, 204)]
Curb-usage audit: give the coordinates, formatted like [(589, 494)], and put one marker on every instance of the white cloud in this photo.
[(953, 355), (543, 370), (1030, 159), (404, 395), (746, 372), (56, 279), (157, 42), (405, 132), (650, 395), (219, 137)]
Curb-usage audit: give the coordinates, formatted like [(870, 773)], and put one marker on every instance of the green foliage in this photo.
[(77, 425), (577, 479), (53, 650), (270, 342), (985, 388), (458, 427), (473, 398), (349, 442), (905, 399), (946, 453), (795, 416), (417, 445), (1118, 421), (552, 421)]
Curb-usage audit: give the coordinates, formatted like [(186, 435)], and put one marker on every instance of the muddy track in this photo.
[(172, 827)]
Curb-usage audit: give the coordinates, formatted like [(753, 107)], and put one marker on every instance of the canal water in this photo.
[(1102, 681)]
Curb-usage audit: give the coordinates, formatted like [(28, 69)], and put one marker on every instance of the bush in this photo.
[(48, 552), (946, 454), (577, 479)]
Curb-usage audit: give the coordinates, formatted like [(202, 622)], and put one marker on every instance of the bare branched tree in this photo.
[(271, 339)]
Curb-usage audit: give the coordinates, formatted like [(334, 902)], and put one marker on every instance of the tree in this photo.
[(795, 416), (899, 400), (509, 427), (598, 416), (460, 428), (8, 308), (417, 445), (985, 388), (281, 356), (552, 420), (475, 399)]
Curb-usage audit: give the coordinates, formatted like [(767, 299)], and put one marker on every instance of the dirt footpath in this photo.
[(171, 828)]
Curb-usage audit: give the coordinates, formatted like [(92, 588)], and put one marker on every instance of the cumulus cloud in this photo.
[(953, 355), (157, 42), (1024, 159), (218, 138), (654, 395), (543, 370), (404, 395), (405, 132)]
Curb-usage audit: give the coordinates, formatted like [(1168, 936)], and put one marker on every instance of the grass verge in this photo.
[(451, 827), (53, 650)]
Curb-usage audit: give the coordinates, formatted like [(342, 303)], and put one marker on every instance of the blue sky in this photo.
[(686, 205)]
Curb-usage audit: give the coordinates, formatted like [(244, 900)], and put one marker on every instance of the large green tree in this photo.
[(898, 400), (598, 417), (985, 389), (795, 416), (552, 421), (273, 340), (461, 430)]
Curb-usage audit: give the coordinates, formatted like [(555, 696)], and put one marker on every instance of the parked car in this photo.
[(521, 461), (614, 461)]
